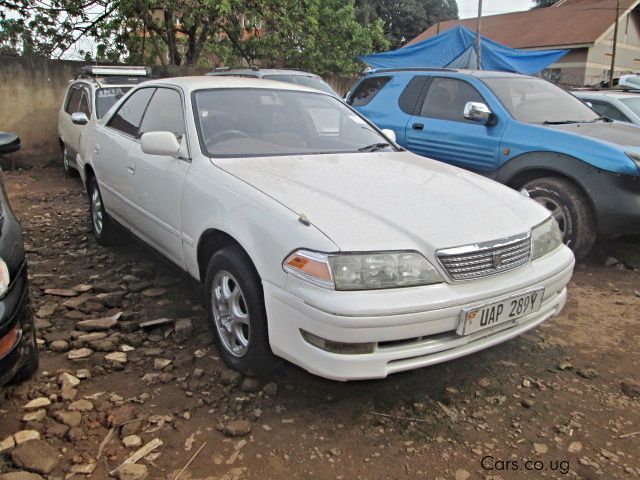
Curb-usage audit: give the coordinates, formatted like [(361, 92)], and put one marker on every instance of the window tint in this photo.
[(127, 118), (73, 100), (632, 103), (609, 111), (107, 98), (164, 113), (84, 103), (447, 97), (367, 90), (409, 96)]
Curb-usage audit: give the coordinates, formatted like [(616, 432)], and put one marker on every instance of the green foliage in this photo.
[(543, 3), (405, 19)]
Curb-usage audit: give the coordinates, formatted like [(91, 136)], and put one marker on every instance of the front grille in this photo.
[(482, 260)]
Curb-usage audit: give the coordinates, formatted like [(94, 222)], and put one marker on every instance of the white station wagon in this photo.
[(316, 237)]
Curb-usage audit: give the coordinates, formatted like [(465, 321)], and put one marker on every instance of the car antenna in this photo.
[(302, 218)]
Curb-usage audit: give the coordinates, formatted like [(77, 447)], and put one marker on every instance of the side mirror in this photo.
[(160, 143), (589, 104), (79, 118), (9, 143), (390, 134), (478, 112)]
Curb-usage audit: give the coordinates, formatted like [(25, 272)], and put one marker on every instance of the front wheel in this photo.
[(571, 210), (236, 309), (101, 224), (66, 162)]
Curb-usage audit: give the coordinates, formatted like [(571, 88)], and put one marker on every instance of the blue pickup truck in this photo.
[(521, 131)]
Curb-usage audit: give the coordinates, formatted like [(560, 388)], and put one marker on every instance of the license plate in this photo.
[(503, 311)]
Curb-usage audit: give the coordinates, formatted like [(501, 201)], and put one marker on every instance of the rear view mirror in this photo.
[(9, 143), (390, 134), (478, 112), (79, 118), (160, 143)]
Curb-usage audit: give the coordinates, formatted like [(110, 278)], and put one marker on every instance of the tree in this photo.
[(543, 3), (405, 19)]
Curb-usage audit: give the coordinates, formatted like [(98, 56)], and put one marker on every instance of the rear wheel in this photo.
[(571, 210), (101, 224), (236, 309), (66, 163)]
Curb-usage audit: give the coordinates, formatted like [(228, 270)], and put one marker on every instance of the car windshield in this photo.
[(633, 104), (264, 122), (533, 100), (107, 97), (307, 81)]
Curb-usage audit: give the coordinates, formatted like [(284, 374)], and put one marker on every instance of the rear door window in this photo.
[(447, 97), (84, 103), (410, 96), (128, 117), (367, 90), (73, 100)]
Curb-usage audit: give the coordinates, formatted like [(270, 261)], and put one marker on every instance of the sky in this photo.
[(469, 8)]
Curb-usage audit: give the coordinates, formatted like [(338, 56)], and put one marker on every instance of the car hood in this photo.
[(614, 132), (388, 201)]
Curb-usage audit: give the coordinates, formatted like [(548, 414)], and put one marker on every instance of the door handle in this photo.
[(418, 126), (131, 167)]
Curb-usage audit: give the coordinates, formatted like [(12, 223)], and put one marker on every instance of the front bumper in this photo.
[(413, 327), (15, 311)]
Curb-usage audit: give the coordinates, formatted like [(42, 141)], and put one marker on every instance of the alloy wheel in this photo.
[(230, 313), (96, 211), (557, 212)]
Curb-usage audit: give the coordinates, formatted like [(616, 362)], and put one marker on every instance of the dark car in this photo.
[(18, 348), (521, 131)]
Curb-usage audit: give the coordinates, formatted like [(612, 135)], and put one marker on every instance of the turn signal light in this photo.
[(311, 266), (9, 340)]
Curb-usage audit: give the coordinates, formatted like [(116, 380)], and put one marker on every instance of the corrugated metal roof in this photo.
[(571, 22)]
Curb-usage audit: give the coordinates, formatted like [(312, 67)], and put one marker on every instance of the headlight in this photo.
[(635, 158), (545, 238), (5, 280), (362, 271)]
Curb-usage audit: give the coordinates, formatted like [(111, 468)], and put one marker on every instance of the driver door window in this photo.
[(128, 117), (164, 113), (446, 99), (609, 111)]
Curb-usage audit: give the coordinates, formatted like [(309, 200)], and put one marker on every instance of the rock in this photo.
[(99, 324), (198, 373), (631, 388), (155, 323), (92, 337), (47, 310), (270, 389), (587, 372), (250, 384), (116, 357), (68, 394), (526, 403), (37, 403), (565, 366), (121, 415), (83, 469), (237, 428), (133, 471), (575, 447), (77, 302), (25, 436), (154, 292), (75, 435), (83, 287), (610, 261), (230, 377), (20, 476), (81, 406), (36, 456), (132, 441), (161, 363), (57, 430), (67, 380), (83, 374), (59, 346), (462, 474), (71, 419), (79, 353), (540, 448), (35, 416), (61, 292), (7, 444), (183, 327)]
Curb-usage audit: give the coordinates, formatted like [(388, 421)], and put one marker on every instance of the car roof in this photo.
[(98, 84), (606, 93), (205, 82), (264, 71), (474, 73)]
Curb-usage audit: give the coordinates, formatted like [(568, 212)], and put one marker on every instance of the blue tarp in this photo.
[(455, 48)]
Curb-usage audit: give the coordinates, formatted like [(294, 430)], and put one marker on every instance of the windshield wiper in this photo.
[(561, 122), (374, 147)]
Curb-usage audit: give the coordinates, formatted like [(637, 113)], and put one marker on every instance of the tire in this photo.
[(101, 224), (68, 169), (30, 366), (570, 208), (229, 311)]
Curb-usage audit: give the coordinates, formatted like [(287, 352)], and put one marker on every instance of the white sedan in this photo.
[(318, 239)]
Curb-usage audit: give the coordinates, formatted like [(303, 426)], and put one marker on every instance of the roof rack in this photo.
[(410, 69), (92, 71)]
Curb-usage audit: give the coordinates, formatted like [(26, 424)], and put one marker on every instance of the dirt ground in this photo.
[(562, 401)]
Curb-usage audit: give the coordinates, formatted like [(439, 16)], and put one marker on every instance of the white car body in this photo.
[(342, 202), (613, 104)]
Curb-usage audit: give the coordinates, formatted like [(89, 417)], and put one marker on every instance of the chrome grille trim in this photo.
[(477, 261)]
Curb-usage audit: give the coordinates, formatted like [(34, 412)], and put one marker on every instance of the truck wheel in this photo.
[(33, 360), (571, 210), (68, 169), (101, 224), (235, 305)]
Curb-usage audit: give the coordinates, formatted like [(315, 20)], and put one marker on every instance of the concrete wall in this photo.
[(32, 90)]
